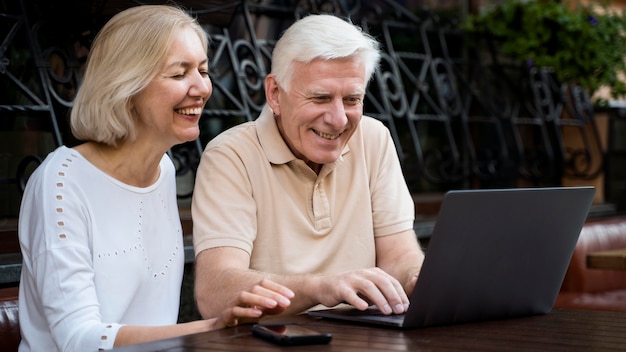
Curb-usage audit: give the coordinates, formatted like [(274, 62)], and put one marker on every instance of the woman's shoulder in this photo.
[(60, 157), (64, 166), (167, 163)]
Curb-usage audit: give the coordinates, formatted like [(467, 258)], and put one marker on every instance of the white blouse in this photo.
[(97, 254)]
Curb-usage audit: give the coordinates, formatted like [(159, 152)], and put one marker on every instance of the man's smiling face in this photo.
[(319, 114)]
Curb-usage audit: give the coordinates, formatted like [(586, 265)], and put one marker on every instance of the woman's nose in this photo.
[(201, 87)]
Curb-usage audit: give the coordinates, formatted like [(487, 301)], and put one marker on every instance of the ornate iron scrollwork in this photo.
[(457, 122)]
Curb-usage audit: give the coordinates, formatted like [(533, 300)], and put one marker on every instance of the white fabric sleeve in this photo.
[(58, 261)]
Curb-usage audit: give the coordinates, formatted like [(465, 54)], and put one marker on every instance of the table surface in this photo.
[(612, 259), (560, 330)]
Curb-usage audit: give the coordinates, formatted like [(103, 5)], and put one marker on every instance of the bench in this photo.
[(9, 321), (595, 289)]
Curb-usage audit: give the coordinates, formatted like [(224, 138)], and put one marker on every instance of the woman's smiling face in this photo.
[(170, 107)]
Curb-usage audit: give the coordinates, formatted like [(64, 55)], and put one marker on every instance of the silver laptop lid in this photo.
[(498, 253)]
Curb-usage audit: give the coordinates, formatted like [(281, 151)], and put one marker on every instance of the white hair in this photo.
[(324, 37)]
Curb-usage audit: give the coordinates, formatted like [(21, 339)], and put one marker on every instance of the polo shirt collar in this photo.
[(273, 144)]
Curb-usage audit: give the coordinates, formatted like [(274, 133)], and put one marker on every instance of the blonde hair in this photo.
[(126, 55), (324, 37)]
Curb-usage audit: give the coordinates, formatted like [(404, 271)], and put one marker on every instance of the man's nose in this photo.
[(336, 117)]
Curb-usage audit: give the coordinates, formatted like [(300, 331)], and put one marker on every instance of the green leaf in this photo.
[(584, 43)]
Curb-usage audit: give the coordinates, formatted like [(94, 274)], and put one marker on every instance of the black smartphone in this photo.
[(290, 334)]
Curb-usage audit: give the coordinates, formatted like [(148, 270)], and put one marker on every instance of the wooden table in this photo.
[(612, 260), (561, 330)]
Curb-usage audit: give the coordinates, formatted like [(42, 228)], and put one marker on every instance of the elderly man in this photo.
[(311, 194)]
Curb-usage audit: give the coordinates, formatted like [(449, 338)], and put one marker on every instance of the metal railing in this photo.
[(459, 118)]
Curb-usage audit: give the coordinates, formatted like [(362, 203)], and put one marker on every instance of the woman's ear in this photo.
[(272, 93)]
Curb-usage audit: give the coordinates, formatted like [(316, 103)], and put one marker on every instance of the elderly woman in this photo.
[(99, 226)]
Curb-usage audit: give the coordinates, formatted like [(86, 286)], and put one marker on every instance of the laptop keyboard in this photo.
[(375, 312)]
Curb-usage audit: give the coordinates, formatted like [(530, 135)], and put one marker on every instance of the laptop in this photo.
[(493, 254)]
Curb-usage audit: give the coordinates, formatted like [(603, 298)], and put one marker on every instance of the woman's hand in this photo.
[(265, 298)]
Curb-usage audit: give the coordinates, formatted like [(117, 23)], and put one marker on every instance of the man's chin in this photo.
[(325, 160)]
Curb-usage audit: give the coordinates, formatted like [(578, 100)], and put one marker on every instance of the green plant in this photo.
[(583, 44)]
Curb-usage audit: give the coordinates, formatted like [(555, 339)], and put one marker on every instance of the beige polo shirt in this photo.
[(252, 193)]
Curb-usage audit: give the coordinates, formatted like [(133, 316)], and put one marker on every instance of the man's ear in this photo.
[(272, 93)]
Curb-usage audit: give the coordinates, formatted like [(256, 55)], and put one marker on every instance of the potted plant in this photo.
[(583, 44)]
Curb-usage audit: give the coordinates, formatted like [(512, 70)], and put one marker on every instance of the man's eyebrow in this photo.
[(357, 91), (318, 92)]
